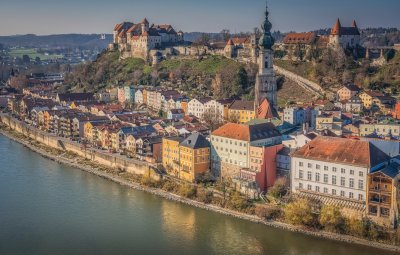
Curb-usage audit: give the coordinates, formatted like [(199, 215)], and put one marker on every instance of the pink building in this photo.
[(121, 95), (261, 173)]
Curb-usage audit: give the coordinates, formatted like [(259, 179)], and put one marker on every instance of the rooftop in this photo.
[(342, 151)]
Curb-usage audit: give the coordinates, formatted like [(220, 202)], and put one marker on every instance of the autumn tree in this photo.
[(331, 218), (299, 212)]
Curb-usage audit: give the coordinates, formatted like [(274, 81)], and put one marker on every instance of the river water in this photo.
[(49, 208)]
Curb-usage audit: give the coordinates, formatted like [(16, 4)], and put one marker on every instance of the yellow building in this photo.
[(88, 131), (186, 158), (367, 97), (241, 111), (170, 154), (194, 154)]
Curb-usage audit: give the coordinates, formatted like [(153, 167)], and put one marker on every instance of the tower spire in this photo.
[(336, 28), (266, 40)]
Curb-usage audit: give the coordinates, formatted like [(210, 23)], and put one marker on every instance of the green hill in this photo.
[(214, 76)]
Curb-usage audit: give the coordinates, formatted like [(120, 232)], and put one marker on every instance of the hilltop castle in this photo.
[(344, 37), (143, 41)]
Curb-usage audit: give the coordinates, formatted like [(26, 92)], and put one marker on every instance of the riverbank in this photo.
[(113, 176)]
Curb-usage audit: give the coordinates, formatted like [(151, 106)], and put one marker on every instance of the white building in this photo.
[(139, 97), (196, 107), (335, 168)]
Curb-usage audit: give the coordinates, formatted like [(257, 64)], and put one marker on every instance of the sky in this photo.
[(44, 17)]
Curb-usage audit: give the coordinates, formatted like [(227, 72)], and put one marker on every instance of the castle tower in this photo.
[(265, 79), (144, 25), (354, 24), (229, 49), (334, 37)]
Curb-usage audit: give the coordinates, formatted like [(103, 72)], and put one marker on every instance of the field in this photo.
[(32, 53)]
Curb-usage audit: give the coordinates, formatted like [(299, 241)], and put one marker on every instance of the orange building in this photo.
[(396, 111)]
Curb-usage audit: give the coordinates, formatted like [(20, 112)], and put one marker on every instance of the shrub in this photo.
[(279, 189), (204, 195), (299, 212), (268, 213), (355, 227), (237, 202), (148, 181), (331, 218), (169, 186), (187, 190)]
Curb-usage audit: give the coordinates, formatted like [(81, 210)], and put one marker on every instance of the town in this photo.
[(339, 148)]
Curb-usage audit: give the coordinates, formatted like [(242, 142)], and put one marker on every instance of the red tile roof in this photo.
[(247, 132), (300, 38), (342, 151)]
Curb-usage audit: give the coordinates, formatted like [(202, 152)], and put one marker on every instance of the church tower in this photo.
[(265, 80)]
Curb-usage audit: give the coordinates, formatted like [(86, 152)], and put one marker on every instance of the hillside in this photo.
[(332, 70), (214, 76)]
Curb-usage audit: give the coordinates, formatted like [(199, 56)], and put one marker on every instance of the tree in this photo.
[(212, 118), (204, 39), (242, 78), (238, 202), (299, 212), (279, 189), (225, 33), (26, 59), (331, 218), (37, 60)]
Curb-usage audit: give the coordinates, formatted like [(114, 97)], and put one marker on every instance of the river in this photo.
[(49, 208)]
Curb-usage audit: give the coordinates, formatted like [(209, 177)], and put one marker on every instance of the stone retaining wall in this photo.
[(306, 84)]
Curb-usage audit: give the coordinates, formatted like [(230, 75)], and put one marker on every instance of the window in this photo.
[(326, 168), (300, 185), (361, 174), (309, 165), (334, 192), (360, 197), (300, 163), (301, 174), (309, 187), (351, 195), (334, 169), (352, 172), (309, 175), (343, 171), (325, 178), (360, 184), (317, 188), (333, 179), (325, 190), (317, 167), (342, 181), (351, 183), (317, 177), (342, 194)]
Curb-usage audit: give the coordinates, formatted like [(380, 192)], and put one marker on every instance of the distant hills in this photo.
[(57, 41)]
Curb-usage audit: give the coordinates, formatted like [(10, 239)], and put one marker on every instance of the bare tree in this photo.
[(212, 118)]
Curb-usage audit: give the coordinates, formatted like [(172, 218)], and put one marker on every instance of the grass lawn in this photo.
[(32, 53)]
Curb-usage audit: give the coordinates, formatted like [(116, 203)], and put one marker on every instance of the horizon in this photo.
[(99, 17)]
